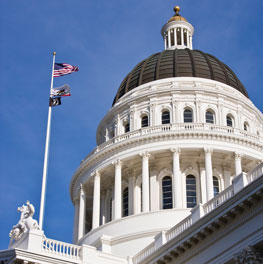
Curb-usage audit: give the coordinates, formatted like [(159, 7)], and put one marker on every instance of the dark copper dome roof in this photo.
[(179, 63)]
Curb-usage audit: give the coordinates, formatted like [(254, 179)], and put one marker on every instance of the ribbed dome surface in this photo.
[(179, 63)]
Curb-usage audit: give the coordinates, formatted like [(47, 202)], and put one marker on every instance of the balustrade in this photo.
[(175, 127), (61, 248)]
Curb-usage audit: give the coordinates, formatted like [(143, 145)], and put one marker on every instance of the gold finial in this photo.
[(54, 53), (177, 10)]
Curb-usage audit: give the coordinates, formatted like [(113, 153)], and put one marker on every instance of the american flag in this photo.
[(61, 69)]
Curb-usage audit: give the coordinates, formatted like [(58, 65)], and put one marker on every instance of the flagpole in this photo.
[(45, 167)]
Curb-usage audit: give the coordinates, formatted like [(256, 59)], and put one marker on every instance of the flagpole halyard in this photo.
[(45, 167)]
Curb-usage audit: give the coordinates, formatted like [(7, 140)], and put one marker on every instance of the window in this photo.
[(216, 185), (178, 36), (172, 37), (185, 38), (188, 116), (190, 191), (127, 127), (246, 126), (125, 201), (145, 121), (209, 117), (167, 192), (166, 117), (229, 121)]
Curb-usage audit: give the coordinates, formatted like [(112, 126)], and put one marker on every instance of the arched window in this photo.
[(127, 127), (165, 117), (167, 192), (209, 117), (229, 120), (188, 116), (190, 191), (125, 201), (215, 185), (246, 126), (145, 122)]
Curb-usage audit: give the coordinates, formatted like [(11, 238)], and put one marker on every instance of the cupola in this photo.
[(177, 32)]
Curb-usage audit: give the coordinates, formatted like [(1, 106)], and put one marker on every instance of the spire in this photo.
[(177, 32)]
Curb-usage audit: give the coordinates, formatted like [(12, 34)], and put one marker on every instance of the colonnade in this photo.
[(146, 205), (172, 35)]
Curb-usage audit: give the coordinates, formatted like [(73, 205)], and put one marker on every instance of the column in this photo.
[(117, 190), (96, 201), (227, 175), (103, 208), (169, 38), (187, 38), (82, 212), (209, 174), (182, 36), (177, 184), (131, 189), (191, 42), (175, 36), (132, 118), (238, 166), (154, 190), (76, 217), (145, 182), (164, 38), (202, 182)]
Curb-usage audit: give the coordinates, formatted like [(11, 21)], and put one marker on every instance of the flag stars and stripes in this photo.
[(61, 69)]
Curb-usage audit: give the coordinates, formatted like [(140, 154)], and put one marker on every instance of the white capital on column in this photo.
[(145, 182), (177, 194), (82, 212), (238, 166), (96, 200), (209, 174), (117, 190)]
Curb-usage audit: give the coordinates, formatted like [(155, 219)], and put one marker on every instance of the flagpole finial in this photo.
[(54, 53)]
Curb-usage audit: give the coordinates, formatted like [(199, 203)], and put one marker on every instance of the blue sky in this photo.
[(106, 39)]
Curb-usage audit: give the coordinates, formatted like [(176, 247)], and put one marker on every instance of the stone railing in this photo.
[(147, 251), (218, 199), (179, 127), (61, 249), (179, 228), (255, 173), (199, 211)]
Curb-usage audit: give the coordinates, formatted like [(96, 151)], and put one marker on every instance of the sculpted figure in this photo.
[(26, 221)]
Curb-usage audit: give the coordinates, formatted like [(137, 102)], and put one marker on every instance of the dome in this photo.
[(179, 63)]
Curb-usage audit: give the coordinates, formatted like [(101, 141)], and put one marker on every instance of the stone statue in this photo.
[(25, 223)]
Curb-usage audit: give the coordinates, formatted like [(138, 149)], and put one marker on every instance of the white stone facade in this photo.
[(140, 158)]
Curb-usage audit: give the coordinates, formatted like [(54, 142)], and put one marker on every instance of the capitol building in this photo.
[(177, 173)]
